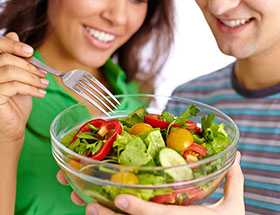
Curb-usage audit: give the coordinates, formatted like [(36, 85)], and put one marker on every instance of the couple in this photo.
[(85, 34)]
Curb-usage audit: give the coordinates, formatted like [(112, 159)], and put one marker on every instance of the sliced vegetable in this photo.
[(156, 120), (179, 139), (164, 199), (110, 128), (169, 157)]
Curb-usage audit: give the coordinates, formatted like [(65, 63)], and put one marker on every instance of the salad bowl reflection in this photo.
[(158, 174)]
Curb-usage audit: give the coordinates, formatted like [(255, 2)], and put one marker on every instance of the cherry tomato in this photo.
[(190, 156), (179, 140), (201, 150), (125, 178), (139, 128)]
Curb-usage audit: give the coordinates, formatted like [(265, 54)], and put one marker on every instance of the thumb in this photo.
[(233, 188), (12, 36), (136, 206)]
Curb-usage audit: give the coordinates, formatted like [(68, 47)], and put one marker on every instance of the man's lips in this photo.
[(232, 26)]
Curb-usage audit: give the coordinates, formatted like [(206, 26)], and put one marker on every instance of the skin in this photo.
[(256, 46), (20, 81), (231, 201)]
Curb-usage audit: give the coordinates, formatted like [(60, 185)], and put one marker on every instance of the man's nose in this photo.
[(219, 7)]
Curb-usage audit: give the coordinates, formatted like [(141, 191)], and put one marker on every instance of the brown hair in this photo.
[(30, 21)]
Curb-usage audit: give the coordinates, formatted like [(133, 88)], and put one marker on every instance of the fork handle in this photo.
[(43, 66), (39, 64)]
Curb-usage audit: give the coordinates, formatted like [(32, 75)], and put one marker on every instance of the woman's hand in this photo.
[(232, 200), (19, 81)]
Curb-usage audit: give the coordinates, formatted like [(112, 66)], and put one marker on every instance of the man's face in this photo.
[(244, 28)]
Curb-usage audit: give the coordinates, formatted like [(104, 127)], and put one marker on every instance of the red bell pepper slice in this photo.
[(194, 194), (165, 198), (105, 128), (155, 120)]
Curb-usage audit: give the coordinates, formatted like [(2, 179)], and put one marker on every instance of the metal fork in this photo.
[(76, 80)]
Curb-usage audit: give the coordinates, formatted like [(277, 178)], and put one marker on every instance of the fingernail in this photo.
[(27, 49), (121, 202), (92, 210), (44, 81), (42, 92), (42, 71)]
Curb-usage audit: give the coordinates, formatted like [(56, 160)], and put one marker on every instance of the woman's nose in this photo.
[(116, 12), (219, 7)]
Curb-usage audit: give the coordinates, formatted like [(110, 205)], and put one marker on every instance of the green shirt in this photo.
[(38, 191)]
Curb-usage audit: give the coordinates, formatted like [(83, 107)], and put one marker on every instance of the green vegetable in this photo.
[(135, 153), (155, 142), (169, 157)]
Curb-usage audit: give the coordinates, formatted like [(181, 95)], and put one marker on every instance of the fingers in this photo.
[(77, 199), (9, 45), (11, 89), (11, 73), (61, 178), (136, 206), (8, 59), (96, 209)]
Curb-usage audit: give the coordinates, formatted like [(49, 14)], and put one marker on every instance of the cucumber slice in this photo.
[(169, 157)]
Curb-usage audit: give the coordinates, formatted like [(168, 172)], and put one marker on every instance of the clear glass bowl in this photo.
[(91, 178)]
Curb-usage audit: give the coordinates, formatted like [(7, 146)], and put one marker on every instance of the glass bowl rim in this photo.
[(156, 168)]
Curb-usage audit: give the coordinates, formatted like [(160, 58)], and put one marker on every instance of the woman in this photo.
[(66, 34)]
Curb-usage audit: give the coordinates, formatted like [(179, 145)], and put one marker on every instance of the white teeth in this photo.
[(100, 35), (235, 23)]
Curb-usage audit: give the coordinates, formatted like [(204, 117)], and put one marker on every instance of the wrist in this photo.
[(11, 148)]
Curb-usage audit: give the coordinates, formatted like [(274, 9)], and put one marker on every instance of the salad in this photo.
[(144, 139)]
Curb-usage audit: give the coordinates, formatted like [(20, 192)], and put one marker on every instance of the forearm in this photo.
[(8, 177)]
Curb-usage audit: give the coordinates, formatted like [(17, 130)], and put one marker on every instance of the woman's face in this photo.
[(90, 31), (244, 28)]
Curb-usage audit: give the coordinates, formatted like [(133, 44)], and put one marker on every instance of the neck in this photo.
[(258, 72)]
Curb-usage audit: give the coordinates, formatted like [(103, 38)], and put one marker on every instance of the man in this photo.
[(248, 90)]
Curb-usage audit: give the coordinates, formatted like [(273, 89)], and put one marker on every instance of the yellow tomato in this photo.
[(125, 178), (139, 128), (179, 139)]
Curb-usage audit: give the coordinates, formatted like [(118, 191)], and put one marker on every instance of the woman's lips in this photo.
[(100, 39)]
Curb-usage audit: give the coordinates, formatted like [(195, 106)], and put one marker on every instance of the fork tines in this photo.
[(92, 90)]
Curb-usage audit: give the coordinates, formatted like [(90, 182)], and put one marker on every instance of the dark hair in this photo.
[(30, 21)]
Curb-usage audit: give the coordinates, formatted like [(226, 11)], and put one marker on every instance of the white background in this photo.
[(195, 51)]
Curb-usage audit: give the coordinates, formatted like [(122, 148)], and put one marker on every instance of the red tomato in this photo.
[(179, 140), (198, 149), (193, 125)]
